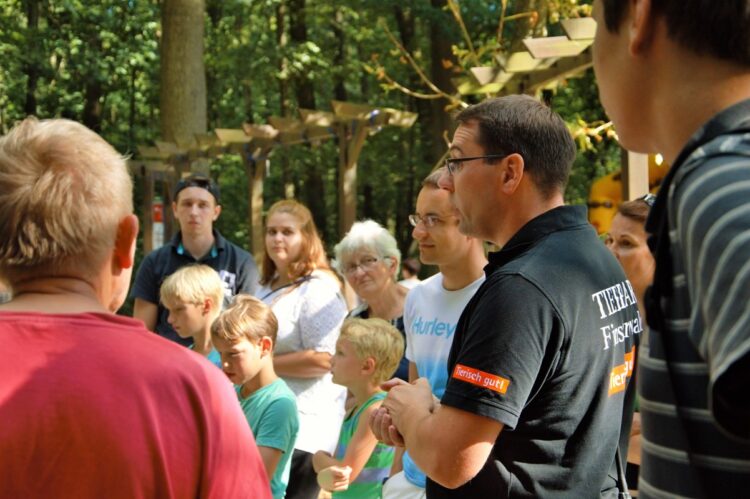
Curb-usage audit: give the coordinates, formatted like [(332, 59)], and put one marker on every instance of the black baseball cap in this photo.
[(197, 180)]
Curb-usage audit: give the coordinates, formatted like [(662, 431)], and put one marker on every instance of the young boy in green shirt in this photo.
[(245, 334), (367, 353), (193, 296)]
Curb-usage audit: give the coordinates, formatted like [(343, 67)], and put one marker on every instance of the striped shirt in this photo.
[(694, 408), (369, 482)]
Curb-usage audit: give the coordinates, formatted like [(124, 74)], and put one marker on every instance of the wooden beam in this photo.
[(228, 136), (564, 68), (519, 62), (402, 119), (317, 118), (260, 131), (555, 46), (346, 111), (581, 28)]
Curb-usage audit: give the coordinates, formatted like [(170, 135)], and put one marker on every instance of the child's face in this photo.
[(240, 360), (188, 319), (346, 366)]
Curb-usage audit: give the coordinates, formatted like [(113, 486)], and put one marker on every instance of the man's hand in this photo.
[(402, 398), (334, 478)]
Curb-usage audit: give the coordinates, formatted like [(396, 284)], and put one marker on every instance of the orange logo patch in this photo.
[(480, 378), (618, 378)]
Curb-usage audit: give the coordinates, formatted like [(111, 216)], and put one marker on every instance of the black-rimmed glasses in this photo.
[(454, 164)]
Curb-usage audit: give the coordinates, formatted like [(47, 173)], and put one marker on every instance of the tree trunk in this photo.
[(92, 104), (183, 75), (31, 67), (305, 93), (440, 121), (406, 186), (282, 41), (339, 90), (298, 33)]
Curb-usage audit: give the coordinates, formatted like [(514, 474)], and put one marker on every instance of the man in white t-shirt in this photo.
[(433, 307)]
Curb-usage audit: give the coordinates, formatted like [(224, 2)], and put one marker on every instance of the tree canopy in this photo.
[(99, 63)]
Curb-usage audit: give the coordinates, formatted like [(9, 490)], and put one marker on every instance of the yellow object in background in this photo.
[(605, 194)]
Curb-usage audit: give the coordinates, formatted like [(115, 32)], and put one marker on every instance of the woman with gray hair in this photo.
[(369, 259)]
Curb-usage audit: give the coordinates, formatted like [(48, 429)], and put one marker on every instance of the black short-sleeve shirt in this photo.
[(235, 266), (546, 346)]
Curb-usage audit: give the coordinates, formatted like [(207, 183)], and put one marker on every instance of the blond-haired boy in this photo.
[(193, 296), (245, 334), (368, 351)]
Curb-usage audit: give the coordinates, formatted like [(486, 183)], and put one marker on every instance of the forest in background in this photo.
[(100, 63)]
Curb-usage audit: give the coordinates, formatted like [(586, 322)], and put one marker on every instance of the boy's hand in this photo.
[(334, 478)]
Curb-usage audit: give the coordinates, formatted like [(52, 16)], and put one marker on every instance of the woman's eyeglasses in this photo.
[(366, 263)]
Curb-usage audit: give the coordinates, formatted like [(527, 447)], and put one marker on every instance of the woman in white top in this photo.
[(305, 295)]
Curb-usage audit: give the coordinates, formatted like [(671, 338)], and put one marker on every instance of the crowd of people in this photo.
[(508, 374)]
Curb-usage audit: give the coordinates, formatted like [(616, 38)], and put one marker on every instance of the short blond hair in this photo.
[(193, 284), (247, 318), (378, 339), (63, 192)]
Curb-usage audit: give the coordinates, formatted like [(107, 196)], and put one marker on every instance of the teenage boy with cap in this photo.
[(196, 207)]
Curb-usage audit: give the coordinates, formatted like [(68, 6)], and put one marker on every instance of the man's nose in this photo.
[(446, 181)]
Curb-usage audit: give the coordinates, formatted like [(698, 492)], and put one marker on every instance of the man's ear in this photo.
[(266, 345), (641, 26), (217, 212), (124, 250), (512, 174)]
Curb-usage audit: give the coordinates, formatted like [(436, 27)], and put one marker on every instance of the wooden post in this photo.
[(148, 201), (351, 139), (256, 164), (634, 175)]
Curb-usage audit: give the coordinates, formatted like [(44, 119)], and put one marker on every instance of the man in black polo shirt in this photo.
[(539, 391), (195, 207), (674, 76)]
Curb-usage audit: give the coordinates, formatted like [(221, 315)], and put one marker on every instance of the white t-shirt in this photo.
[(431, 314), (310, 316)]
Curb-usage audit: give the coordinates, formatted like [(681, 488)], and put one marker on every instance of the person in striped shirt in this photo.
[(674, 76), (367, 353)]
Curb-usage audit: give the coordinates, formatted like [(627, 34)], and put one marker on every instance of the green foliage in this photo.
[(98, 62)]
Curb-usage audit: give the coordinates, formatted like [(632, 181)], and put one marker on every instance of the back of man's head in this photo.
[(719, 28), (521, 124), (63, 192)]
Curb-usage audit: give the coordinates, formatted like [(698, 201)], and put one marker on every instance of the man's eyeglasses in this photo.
[(429, 221), (454, 164), (649, 199), (367, 263)]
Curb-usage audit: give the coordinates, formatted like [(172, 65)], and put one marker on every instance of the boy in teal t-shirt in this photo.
[(244, 334), (193, 296), (367, 353)]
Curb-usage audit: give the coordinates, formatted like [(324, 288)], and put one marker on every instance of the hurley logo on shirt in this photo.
[(434, 327), (480, 378)]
